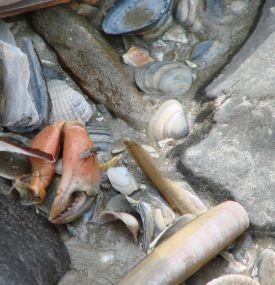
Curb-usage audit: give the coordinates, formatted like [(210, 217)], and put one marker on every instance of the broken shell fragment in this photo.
[(119, 203), (169, 121), (122, 180), (233, 279), (67, 104), (159, 220), (185, 252), (129, 16), (129, 220), (166, 77), (266, 267), (136, 56)]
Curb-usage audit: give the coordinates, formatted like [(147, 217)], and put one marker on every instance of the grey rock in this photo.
[(236, 159), (31, 252)]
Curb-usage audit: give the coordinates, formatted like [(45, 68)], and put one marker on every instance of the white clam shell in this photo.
[(233, 279), (67, 104), (122, 180), (266, 267), (168, 121)]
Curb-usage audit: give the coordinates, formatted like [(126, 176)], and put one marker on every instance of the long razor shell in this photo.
[(17, 107), (67, 104), (191, 247), (181, 200), (129, 220), (234, 279)]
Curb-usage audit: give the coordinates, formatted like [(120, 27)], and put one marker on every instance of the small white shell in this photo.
[(67, 104), (122, 180), (233, 279), (168, 121)]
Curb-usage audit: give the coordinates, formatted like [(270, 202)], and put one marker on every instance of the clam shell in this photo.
[(167, 77), (67, 104), (136, 56), (129, 16), (129, 220), (233, 279), (122, 180), (168, 121), (266, 267), (5, 34)]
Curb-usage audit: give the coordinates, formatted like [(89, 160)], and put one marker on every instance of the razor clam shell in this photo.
[(147, 217), (122, 180), (233, 279), (266, 267), (166, 77), (169, 121), (67, 104), (17, 107), (129, 220), (37, 85)]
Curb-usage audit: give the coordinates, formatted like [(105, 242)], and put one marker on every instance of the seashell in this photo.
[(168, 121), (158, 220), (207, 53), (129, 220), (102, 137), (5, 34), (17, 105), (118, 147), (147, 217), (119, 203), (175, 34), (67, 104), (136, 56), (186, 14), (130, 16), (233, 279), (219, 11), (122, 180), (37, 85), (266, 267), (153, 152), (167, 77)]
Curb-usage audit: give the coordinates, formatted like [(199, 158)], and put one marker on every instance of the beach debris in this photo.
[(233, 279), (175, 260), (136, 56)]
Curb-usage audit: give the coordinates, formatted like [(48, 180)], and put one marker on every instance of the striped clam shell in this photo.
[(169, 121), (67, 104), (233, 279), (167, 77)]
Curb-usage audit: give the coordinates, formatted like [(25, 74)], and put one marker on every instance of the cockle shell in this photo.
[(122, 180), (233, 279), (166, 77), (168, 121), (129, 220), (130, 16), (67, 104), (266, 267)]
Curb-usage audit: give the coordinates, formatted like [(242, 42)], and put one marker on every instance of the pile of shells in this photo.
[(167, 77)]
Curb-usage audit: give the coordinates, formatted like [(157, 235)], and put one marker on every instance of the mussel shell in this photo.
[(129, 16)]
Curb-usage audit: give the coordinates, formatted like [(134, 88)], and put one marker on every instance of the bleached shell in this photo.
[(122, 180), (233, 279), (266, 267), (167, 77), (129, 220), (67, 104), (168, 121)]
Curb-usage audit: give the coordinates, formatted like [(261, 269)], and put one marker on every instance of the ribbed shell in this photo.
[(167, 77), (67, 104), (168, 121), (233, 279)]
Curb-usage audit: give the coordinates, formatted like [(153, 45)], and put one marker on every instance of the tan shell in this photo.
[(136, 56), (67, 104), (233, 279), (168, 121)]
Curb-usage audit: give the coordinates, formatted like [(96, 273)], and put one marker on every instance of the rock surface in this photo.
[(31, 251), (236, 159)]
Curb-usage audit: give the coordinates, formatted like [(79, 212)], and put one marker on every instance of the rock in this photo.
[(93, 63), (236, 159), (31, 251)]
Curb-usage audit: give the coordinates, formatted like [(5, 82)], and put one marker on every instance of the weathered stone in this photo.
[(92, 62), (236, 159), (31, 251)]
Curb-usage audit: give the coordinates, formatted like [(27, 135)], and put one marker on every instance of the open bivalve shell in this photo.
[(233, 279), (166, 77), (67, 104), (122, 180), (168, 121)]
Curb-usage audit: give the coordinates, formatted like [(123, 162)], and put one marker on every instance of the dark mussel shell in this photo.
[(129, 16)]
